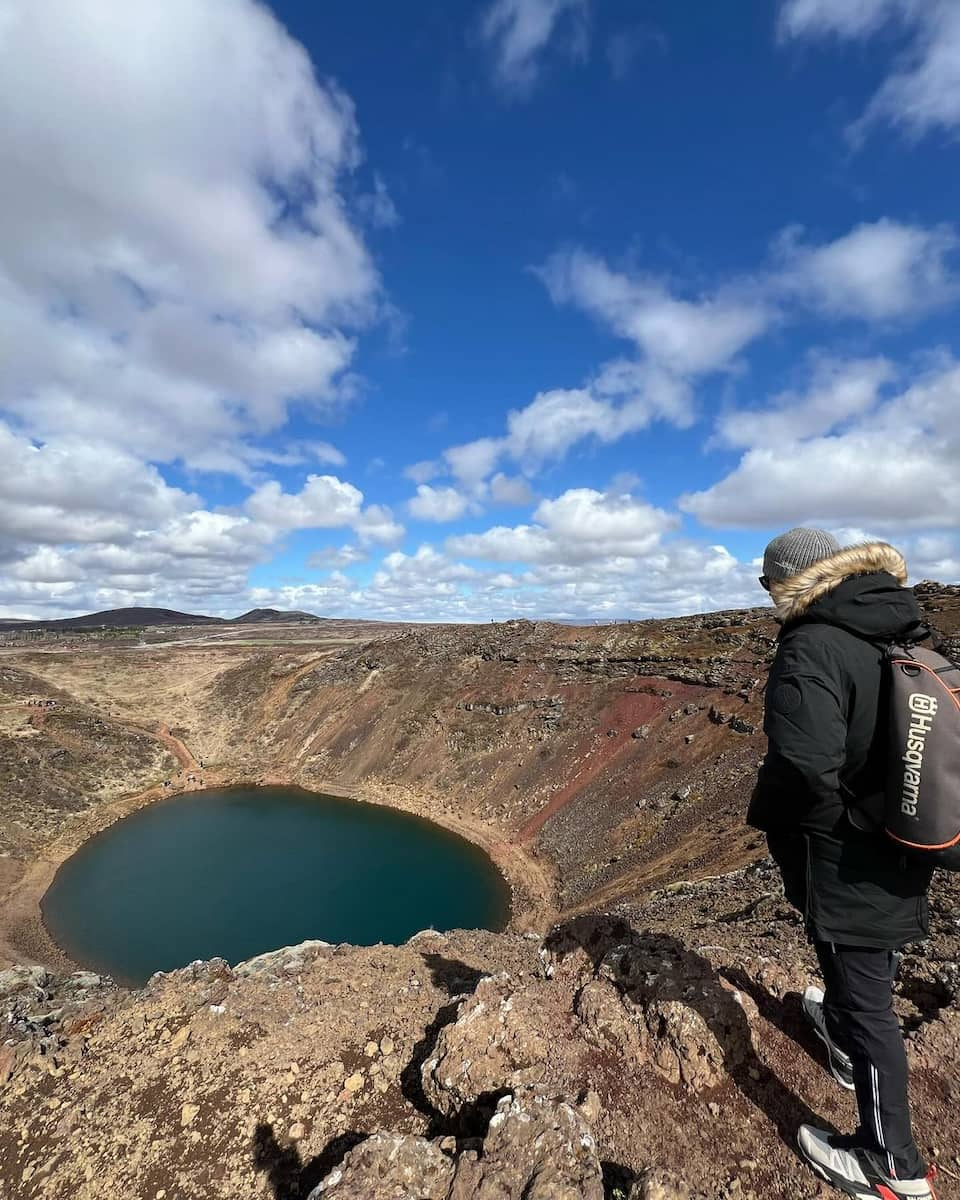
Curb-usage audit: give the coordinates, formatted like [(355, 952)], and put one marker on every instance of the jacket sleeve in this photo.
[(806, 727)]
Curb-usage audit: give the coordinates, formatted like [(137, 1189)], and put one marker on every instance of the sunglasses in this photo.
[(764, 582)]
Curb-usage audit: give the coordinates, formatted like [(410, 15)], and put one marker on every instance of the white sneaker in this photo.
[(841, 1068), (857, 1171)]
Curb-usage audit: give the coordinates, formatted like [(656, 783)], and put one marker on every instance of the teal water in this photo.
[(236, 872)]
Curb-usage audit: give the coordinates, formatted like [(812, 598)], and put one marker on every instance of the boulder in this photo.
[(537, 1148), (492, 1046), (572, 951), (30, 980), (683, 1049), (290, 960), (606, 1021), (697, 1025), (390, 1166)]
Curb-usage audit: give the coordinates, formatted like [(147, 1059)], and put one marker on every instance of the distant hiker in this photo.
[(861, 898)]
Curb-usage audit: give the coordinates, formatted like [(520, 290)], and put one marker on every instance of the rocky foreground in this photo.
[(655, 1052)]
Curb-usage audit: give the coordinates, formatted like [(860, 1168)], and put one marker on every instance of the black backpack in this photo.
[(921, 808)]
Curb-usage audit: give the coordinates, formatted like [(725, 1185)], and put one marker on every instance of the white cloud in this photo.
[(859, 477), (890, 469), (933, 556), (582, 525), (842, 18), (623, 398), (194, 557), (325, 502), (426, 562), (839, 391), (79, 492), (378, 206), (437, 504), (322, 452), (178, 265), (876, 271), (336, 556), (207, 537), (519, 32), (137, 541), (686, 337), (553, 422), (511, 490), (922, 92), (472, 462), (147, 264), (677, 577), (376, 524), (423, 472)]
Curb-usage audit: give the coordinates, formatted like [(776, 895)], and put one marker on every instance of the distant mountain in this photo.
[(264, 616), (118, 618)]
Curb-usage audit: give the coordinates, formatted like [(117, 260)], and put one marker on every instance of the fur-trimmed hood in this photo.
[(796, 595)]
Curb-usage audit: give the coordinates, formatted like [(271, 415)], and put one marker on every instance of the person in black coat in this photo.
[(823, 774)]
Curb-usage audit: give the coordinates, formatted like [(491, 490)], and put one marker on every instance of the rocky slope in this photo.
[(652, 1051)]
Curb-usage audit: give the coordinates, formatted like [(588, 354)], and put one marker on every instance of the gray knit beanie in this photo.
[(796, 550)]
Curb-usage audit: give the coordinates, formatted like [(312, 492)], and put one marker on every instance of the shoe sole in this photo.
[(851, 1087)]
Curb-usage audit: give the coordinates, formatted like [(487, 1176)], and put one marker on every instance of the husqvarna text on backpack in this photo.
[(922, 800)]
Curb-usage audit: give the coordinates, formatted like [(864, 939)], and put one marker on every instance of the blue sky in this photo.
[(466, 310)]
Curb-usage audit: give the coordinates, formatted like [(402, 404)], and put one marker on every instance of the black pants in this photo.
[(858, 1006)]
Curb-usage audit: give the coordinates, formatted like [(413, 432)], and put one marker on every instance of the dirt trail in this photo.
[(177, 748)]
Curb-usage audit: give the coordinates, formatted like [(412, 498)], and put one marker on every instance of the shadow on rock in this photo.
[(682, 999), (411, 1078), (451, 975), (785, 1014), (618, 1180), (471, 1120), (287, 1174)]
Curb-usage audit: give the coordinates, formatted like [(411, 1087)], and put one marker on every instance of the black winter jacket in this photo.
[(826, 753)]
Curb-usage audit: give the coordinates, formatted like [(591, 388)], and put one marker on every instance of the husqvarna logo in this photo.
[(923, 709)]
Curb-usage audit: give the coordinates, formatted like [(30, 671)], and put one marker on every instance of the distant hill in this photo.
[(124, 618), (264, 616), (118, 618)]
